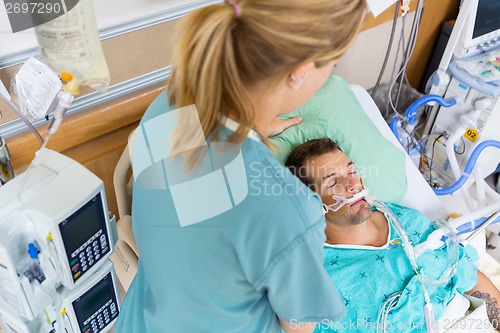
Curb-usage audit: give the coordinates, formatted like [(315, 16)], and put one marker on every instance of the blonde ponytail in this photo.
[(219, 55)]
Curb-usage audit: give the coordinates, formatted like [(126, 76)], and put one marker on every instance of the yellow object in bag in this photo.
[(70, 45)]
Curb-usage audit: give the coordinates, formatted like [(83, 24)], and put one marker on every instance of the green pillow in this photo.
[(335, 112)]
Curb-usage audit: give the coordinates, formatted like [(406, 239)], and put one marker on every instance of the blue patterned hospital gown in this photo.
[(367, 276)]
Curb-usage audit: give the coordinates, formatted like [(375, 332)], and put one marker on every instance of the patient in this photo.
[(366, 261)]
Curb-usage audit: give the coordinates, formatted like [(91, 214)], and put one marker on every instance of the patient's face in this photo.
[(335, 174)]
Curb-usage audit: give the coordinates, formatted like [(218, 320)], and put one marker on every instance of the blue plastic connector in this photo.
[(33, 251)]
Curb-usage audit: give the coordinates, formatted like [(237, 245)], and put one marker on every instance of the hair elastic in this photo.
[(236, 8)]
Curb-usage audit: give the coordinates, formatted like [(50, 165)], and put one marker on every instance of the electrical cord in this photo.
[(407, 52), (388, 51), (432, 158), (402, 71), (393, 77), (463, 147), (388, 305)]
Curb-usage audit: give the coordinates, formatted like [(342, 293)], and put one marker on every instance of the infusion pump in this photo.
[(56, 236)]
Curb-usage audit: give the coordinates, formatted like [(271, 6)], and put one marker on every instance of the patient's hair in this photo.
[(298, 158), (218, 56)]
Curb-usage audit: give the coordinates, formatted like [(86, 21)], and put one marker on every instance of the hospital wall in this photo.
[(96, 136)]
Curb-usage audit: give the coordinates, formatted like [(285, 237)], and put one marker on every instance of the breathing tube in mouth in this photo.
[(340, 204)]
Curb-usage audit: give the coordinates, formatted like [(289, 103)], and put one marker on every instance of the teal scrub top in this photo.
[(234, 271)]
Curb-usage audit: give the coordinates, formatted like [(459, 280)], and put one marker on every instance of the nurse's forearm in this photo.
[(297, 327)]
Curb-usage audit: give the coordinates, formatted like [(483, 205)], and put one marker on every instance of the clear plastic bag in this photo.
[(70, 45), (34, 89), (407, 96)]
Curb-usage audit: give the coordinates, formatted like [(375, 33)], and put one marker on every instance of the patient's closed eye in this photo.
[(331, 181)]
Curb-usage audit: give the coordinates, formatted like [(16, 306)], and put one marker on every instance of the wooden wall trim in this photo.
[(83, 127), (386, 16), (435, 13)]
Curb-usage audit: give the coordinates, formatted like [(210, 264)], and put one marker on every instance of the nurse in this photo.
[(255, 266)]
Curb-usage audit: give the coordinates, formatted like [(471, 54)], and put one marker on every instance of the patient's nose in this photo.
[(354, 187)]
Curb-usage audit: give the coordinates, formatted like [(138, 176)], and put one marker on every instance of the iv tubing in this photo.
[(450, 153), (23, 118), (480, 187), (473, 225), (401, 232), (489, 221), (486, 211), (468, 168)]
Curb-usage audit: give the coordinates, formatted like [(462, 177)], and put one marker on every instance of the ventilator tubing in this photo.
[(468, 168), (411, 115)]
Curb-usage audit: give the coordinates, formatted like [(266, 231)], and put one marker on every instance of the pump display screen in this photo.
[(97, 308), (94, 300), (487, 18), (85, 236), (83, 225)]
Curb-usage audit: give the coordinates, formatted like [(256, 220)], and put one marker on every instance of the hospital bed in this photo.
[(419, 195)]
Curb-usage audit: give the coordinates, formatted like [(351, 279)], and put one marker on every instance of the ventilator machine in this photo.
[(461, 143)]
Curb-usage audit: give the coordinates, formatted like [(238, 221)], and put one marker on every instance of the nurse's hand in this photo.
[(278, 125)]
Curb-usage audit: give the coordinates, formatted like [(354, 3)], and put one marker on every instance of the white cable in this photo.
[(452, 158), (394, 78), (474, 215), (399, 77), (402, 77), (480, 187), (64, 101), (492, 193), (388, 51), (388, 305), (406, 55)]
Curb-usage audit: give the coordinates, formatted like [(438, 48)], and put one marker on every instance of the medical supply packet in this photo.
[(35, 88)]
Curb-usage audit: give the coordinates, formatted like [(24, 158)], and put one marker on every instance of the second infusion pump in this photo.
[(56, 236)]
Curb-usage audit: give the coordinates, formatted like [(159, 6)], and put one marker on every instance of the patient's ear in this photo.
[(296, 78)]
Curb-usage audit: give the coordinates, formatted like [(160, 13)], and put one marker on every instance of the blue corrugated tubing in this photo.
[(468, 168), (470, 226), (411, 111), (394, 127)]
